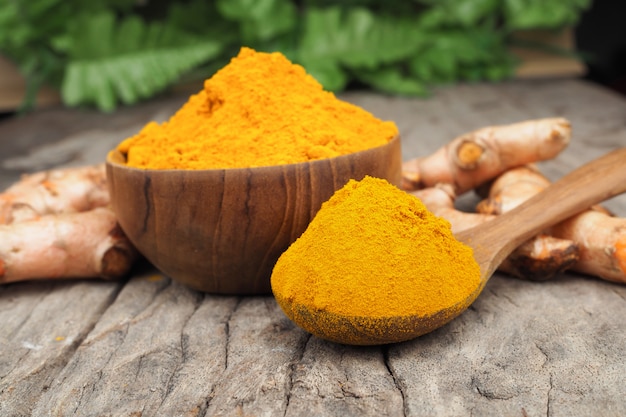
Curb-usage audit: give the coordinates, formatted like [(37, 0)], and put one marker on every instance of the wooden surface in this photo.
[(147, 346)]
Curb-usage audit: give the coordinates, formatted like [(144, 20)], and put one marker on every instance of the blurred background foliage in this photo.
[(111, 52)]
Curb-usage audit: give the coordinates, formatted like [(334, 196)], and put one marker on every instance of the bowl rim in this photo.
[(116, 158)]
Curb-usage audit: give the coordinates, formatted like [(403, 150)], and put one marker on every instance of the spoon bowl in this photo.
[(491, 242)]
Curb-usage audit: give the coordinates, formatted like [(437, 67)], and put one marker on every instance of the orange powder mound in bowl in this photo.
[(259, 110)]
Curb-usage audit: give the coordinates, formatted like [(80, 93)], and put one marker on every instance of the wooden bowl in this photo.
[(222, 230)]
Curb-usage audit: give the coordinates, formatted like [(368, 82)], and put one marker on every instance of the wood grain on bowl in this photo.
[(222, 230)]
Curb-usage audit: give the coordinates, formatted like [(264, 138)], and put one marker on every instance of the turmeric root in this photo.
[(601, 238), (479, 156), (511, 189), (541, 258), (56, 224), (537, 259), (440, 201), (56, 191), (88, 244)]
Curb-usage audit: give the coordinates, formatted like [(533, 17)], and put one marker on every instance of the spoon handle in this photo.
[(590, 184)]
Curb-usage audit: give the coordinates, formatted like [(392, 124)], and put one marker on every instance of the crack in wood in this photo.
[(289, 381), (549, 399), (184, 354), (395, 379), (544, 353), (226, 324)]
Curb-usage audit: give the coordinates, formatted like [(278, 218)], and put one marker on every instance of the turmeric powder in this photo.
[(373, 251), (258, 110)]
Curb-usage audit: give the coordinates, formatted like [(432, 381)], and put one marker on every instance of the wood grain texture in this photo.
[(222, 230), (151, 347)]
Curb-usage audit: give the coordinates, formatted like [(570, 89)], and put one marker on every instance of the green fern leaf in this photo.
[(457, 13), (353, 39), (357, 37), (454, 55), (259, 20), (392, 80), (126, 61), (533, 14)]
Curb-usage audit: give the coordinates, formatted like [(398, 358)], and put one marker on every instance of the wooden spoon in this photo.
[(492, 242)]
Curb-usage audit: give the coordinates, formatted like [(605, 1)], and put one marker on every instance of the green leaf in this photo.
[(131, 60), (129, 35), (459, 13), (435, 65), (392, 80), (329, 74), (535, 14), (202, 18), (259, 20), (357, 37), (354, 38), (462, 55)]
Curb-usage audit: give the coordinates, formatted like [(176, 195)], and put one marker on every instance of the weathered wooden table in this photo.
[(147, 346)]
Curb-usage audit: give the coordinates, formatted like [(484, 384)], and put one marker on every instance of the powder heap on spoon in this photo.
[(373, 252)]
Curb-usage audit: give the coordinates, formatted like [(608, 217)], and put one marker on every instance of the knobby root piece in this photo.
[(63, 190), (541, 258), (479, 156), (512, 188), (600, 237), (537, 259), (440, 201), (88, 244)]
